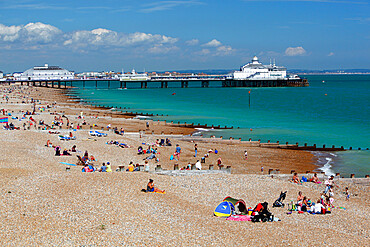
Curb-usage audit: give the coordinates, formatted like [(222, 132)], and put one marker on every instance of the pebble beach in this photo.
[(44, 204)]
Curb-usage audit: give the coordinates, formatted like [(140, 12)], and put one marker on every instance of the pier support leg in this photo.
[(58, 84), (108, 84), (83, 84), (120, 84), (65, 84), (96, 84)]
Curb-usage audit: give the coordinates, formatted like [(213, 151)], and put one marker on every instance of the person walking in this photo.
[(195, 150)]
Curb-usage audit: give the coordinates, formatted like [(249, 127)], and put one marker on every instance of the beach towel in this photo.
[(3, 120), (68, 164), (239, 218)]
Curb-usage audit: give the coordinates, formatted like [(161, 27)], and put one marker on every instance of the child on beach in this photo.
[(177, 152), (347, 194)]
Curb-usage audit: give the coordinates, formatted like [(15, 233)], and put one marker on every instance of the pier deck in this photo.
[(201, 82)]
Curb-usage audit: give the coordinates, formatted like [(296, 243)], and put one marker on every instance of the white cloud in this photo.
[(224, 50), (9, 33), (162, 49), (213, 43), (108, 38), (331, 54), (166, 5), (192, 42), (295, 51), (35, 33)]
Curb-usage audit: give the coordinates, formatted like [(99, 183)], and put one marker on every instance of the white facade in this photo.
[(134, 76), (46, 73), (257, 71)]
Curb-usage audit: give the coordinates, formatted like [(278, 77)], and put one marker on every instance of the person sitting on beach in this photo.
[(315, 179), (188, 167), (151, 188), (65, 152), (131, 167), (137, 168), (49, 144), (300, 197), (57, 151), (198, 165), (86, 155), (140, 150), (103, 168), (92, 158), (318, 207), (168, 142), (219, 163), (304, 205), (295, 179), (73, 149), (109, 167)]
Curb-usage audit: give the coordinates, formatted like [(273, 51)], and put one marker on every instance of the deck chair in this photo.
[(80, 161)]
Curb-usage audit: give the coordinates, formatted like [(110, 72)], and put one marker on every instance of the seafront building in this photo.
[(257, 71), (45, 72)]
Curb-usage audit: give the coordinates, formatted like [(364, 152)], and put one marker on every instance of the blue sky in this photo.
[(90, 35)]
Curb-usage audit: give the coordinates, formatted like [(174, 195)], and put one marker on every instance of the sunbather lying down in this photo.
[(151, 188)]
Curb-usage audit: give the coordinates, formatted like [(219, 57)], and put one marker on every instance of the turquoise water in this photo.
[(333, 112)]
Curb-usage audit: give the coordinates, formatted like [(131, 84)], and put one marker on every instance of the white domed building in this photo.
[(257, 71), (46, 73)]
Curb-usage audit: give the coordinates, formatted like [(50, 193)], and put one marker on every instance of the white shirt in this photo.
[(198, 165), (318, 207)]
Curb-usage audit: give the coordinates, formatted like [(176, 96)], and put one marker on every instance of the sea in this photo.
[(333, 110)]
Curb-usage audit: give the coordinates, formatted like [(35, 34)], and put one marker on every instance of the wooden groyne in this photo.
[(269, 144)]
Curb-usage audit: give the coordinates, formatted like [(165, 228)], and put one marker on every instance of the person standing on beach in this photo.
[(147, 124), (177, 151), (246, 154), (195, 150)]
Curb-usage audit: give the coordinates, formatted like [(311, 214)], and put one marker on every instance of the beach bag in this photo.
[(171, 158), (304, 179)]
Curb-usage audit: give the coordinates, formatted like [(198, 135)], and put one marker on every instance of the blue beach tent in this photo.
[(224, 209)]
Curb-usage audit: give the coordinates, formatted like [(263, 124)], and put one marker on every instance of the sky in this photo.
[(148, 35)]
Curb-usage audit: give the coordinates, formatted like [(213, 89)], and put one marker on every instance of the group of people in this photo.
[(323, 204), (89, 167), (296, 179)]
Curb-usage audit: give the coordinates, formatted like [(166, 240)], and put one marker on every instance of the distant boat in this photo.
[(323, 81)]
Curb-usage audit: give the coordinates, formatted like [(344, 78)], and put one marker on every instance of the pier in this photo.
[(163, 82)]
